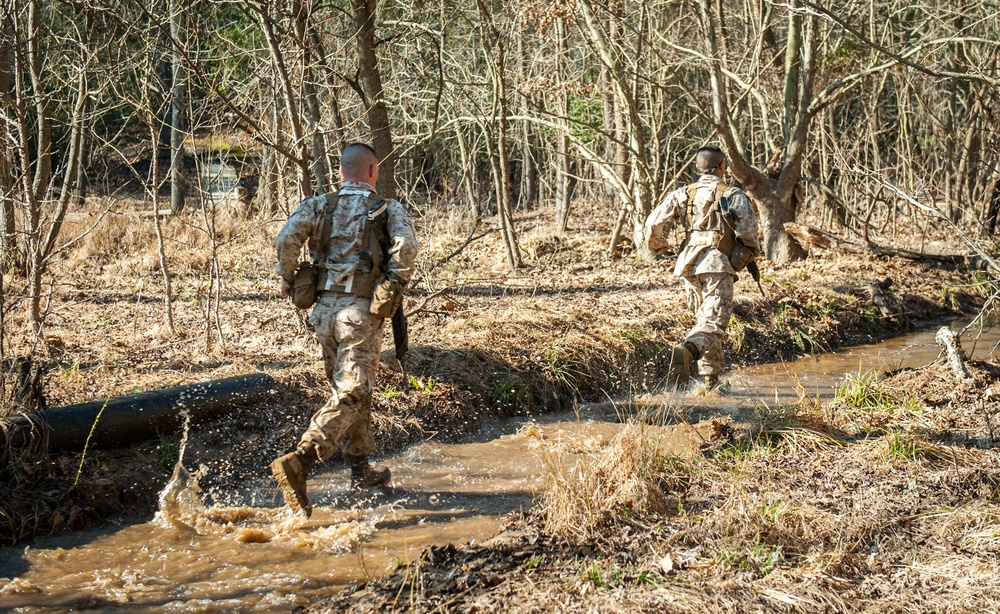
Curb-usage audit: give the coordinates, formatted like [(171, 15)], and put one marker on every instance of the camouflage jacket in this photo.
[(344, 255), (675, 209)]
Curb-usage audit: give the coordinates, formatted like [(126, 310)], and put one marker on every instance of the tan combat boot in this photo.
[(679, 372), (291, 471), (363, 475)]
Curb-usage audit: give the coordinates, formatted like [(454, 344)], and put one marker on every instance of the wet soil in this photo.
[(879, 504), (573, 326)]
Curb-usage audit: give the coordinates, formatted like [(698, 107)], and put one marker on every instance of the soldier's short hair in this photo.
[(709, 158), (356, 158)]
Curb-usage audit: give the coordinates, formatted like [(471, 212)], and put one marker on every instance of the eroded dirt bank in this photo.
[(573, 325)]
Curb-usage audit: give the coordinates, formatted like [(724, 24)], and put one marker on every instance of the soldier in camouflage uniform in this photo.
[(349, 335), (721, 229)]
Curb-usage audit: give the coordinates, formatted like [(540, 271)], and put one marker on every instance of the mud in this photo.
[(789, 514), (257, 557), (263, 559)]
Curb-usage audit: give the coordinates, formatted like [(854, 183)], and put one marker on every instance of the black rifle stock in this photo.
[(754, 271), (400, 333)]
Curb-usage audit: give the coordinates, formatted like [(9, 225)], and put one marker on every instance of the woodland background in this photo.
[(872, 121)]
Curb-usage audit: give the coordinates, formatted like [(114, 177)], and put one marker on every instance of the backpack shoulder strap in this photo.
[(720, 198), (326, 225), (378, 217), (691, 191)]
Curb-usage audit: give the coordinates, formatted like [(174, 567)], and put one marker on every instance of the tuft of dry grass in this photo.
[(630, 476), (124, 239)]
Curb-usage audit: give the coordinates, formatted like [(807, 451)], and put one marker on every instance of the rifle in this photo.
[(400, 328), (751, 266), (400, 333), (754, 271)]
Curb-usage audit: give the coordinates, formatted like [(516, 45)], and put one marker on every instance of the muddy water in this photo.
[(254, 557)]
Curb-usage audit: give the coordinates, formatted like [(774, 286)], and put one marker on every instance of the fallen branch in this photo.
[(461, 248), (419, 308), (811, 237), (987, 258), (950, 342), (469, 239)]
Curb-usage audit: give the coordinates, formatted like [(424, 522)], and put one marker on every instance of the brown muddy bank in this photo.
[(573, 325)]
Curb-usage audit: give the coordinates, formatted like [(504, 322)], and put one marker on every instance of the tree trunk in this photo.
[(74, 158), (371, 80), (267, 192), (562, 137), (469, 180), (640, 198), (776, 198), (792, 66), (80, 186), (178, 103), (314, 112), (614, 125), (331, 92), (505, 206), (495, 50), (778, 245), (529, 153), (299, 145), (154, 191), (8, 226), (43, 165)]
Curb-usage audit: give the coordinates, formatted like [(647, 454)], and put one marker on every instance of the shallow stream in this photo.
[(254, 557)]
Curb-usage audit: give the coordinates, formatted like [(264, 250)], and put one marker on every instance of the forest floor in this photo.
[(884, 501), (572, 325)]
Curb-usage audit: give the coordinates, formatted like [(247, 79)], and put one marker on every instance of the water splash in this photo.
[(179, 503)]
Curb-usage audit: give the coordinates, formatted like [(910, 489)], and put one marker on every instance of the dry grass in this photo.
[(631, 476), (124, 240), (783, 516)]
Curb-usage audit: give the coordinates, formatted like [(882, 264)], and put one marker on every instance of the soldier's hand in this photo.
[(286, 288)]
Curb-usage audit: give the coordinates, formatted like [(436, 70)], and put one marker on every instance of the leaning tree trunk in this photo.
[(775, 198), (371, 80), (287, 89), (313, 109), (35, 192)]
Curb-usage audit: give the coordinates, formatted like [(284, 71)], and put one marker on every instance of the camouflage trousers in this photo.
[(710, 296), (351, 340)]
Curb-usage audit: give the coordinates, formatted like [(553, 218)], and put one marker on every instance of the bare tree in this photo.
[(639, 202), (495, 43), (363, 12), (178, 106), (33, 120), (774, 196), (8, 228)]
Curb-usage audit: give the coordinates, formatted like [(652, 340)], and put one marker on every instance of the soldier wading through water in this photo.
[(362, 249), (721, 239)]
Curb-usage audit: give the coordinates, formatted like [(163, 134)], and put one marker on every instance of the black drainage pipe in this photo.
[(121, 421)]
